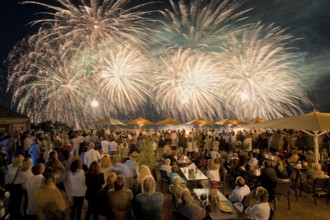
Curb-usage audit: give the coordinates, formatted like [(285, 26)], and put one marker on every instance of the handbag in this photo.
[(12, 186)]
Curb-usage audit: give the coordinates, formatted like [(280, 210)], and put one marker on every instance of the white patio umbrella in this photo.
[(108, 121), (230, 121), (313, 123)]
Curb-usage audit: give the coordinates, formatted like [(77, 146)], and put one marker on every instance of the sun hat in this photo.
[(134, 155)]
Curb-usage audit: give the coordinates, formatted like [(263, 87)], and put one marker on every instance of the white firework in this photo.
[(123, 76), (261, 77), (187, 85), (201, 24)]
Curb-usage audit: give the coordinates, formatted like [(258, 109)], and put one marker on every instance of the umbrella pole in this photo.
[(316, 146), (316, 136)]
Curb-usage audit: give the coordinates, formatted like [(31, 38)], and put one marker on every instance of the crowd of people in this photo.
[(48, 174)]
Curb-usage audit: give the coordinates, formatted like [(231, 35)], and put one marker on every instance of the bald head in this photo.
[(240, 181)]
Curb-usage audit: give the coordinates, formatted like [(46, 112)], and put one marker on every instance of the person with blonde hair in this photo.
[(214, 153), (293, 159), (189, 209), (314, 173), (310, 157), (149, 204), (105, 166), (132, 163), (261, 210), (144, 171), (177, 188), (213, 173)]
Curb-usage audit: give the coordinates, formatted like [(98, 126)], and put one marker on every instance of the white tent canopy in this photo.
[(313, 123)]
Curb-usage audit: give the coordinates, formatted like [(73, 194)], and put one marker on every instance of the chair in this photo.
[(272, 212), (164, 178), (296, 183), (246, 201), (320, 185), (282, 189)]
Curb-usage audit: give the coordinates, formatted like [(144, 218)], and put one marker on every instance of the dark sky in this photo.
[(307, 19)]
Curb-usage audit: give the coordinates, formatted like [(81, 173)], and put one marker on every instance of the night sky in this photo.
[(306, 19)]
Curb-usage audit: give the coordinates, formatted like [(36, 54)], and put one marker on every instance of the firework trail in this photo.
[(261, 77), (188, 85), (200, 24)]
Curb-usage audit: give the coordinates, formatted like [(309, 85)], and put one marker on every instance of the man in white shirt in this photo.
[(75, 145), (113, 147), (27, 144), (239, 191), (105, 145), (32, 185), (91, 155)]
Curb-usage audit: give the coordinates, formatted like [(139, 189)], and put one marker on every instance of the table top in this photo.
[(216, 213), (199, 175)]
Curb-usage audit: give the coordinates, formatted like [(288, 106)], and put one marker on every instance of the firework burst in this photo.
[(188, 85), (84, 23), (122, 74), (49, 87), (200, 24), (261, 77)]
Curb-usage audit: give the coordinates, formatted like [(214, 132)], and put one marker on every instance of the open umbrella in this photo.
[(200, 121), (108, 121), (256, 120), (169, 121), (317, 122), (139, 121), (229, 121)]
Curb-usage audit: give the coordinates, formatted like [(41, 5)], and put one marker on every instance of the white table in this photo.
[(199, 175), (216, 213), (185, 161)]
